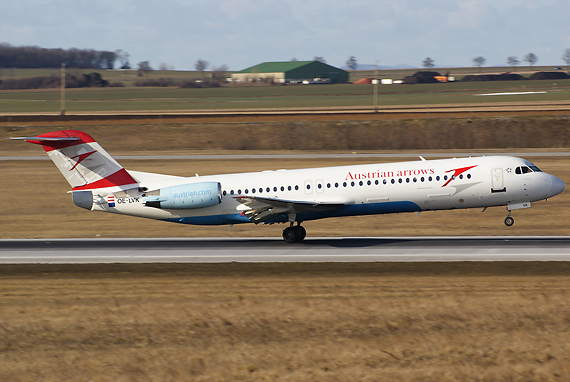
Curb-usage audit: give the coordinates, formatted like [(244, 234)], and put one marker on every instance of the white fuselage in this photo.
[(358, 189)]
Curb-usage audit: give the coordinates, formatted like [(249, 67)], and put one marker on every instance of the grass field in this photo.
[(271, 97), (286, 322)]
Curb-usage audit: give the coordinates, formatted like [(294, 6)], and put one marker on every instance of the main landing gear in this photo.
[(294, 233), (509, 221)]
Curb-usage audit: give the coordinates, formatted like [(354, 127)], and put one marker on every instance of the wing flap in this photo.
[(262, 209)]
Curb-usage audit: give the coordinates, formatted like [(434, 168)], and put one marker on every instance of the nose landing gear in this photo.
[(509, 221), (294, 233)]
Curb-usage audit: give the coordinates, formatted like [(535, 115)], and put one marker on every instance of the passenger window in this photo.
[(288, 188), (268, 189), (384, 181), (369, 183), (352, 184), (393, 181), (344, 184), (336, 185), (274, 189), (282, 188), (260, 190), (224, 192), (360, 183), (231, 192), (296, 188), (328, 185), (400, 180)]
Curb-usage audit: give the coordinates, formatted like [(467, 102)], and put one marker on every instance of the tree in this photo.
[(479, 61), (566, 56), (351, 63), (319, 59), (513, 61), (428, 63), (293, 59), (201, 65), (219, 72), (144, 67), (123, 58), (531, 58)]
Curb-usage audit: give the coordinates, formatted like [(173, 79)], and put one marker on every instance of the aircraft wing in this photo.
[(262, 209)]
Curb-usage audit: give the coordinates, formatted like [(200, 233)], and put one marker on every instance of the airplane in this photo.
[(100, 183)]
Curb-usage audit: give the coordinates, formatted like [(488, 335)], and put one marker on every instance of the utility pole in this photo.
[(62, 89), (375, 82)]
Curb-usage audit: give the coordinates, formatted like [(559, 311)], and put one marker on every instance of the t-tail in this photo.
[(84, 163)]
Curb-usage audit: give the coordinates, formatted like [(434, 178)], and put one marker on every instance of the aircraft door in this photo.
[(320, 186), (497, 184), (308, 187)]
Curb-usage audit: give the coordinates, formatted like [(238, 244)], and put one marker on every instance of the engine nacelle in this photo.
[(185, 196)]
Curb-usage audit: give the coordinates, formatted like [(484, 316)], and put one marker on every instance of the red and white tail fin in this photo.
[(82, 161)]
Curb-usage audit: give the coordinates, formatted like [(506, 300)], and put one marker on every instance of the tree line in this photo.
[(32, 57)]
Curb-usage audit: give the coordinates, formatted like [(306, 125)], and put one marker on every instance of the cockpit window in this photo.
[(526, 169), (535, 169)]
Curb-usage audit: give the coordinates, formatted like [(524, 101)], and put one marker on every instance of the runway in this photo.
[(247, 250)]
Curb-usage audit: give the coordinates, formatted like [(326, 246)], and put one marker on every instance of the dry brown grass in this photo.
[(286, 322)]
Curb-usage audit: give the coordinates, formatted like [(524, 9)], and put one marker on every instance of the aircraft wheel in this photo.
[(302, 232), (294, 234), (509, 221)]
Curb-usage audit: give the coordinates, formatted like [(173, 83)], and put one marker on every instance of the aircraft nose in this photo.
[(556, 186)]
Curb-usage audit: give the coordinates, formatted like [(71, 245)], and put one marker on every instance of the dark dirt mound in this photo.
[(493, 77), (423, 77), (549, 76)]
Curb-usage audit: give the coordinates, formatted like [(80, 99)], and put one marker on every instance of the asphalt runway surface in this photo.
[(265, 250)]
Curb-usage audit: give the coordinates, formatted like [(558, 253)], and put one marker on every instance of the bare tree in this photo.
[(479, 61), (351, 63), (531, 58), (219, 72), (201, 65), (428, 62), (144, 67), (123, 58), (513, 61), (319, 59), (566, 56)]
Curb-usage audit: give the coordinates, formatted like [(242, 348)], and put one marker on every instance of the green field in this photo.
[(252, 97)]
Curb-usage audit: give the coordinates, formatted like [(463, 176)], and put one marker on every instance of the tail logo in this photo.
[(80, 158)]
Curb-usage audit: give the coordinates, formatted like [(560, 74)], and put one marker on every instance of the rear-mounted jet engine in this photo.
[(185, 196)]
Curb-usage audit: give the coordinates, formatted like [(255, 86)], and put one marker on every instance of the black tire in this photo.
[(509, 221), (291, 235), (302, 233)]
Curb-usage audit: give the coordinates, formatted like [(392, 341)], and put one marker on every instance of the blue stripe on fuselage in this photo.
[(348, 210)]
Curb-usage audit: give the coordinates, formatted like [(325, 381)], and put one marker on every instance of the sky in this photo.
[(243, 33)]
